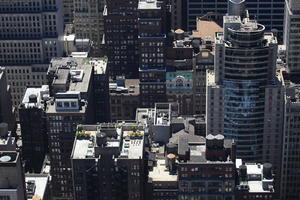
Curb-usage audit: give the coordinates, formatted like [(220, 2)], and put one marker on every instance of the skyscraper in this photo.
[(238, 97), (89, 23), (152, 40), (291, 34), (290, 177), (71, 83), (31, 34), (121, 34)]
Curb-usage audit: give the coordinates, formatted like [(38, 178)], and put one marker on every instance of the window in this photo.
[(179, 83)]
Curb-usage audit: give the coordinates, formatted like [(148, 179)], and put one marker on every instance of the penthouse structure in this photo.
[(70, 85), (31, 35), (108, 161), (34, 128)]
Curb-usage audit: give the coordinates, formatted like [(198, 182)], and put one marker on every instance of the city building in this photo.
[(152, 40), (37, 186), (108, 162), (34, 128), (89, 23), (244, 95), (121, 35), (178, 14), (204, 60), (267, 12), (71, 89), (192, 167), (68, 10), (101, 89), (31, 34), (255, 181), (179, 86), (7, 111), (291, 139), (12, 181), (124, 98), (194, 51), (291, 34)]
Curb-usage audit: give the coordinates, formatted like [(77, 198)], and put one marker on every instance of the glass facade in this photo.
[(245, 77)]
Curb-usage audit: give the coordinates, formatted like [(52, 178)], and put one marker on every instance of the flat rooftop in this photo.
[(84, 147), (131, 88), (148, 4), (100, 65), (206, 29), (62, 68), (41, 183), (40, 93), (161, 173), (132, 142), (133, 146), (255, 179)]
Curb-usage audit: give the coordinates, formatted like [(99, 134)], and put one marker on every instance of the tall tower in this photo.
[(89, 23), (121, 35), (152, 41), (237, 93), (291, 34)]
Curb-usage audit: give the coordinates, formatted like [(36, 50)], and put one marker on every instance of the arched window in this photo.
[(179, 83)]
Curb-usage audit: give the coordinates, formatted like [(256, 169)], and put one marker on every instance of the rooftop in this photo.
[(86, 144), (255, 181), (133, 145), (148, 4), (8, 157), (73, 71), (206, 29), (36, 185), (100, 65), (130, 87), (86, 140), (161, 173), (33, 96)]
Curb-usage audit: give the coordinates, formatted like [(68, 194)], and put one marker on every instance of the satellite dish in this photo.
[(5, 159)]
